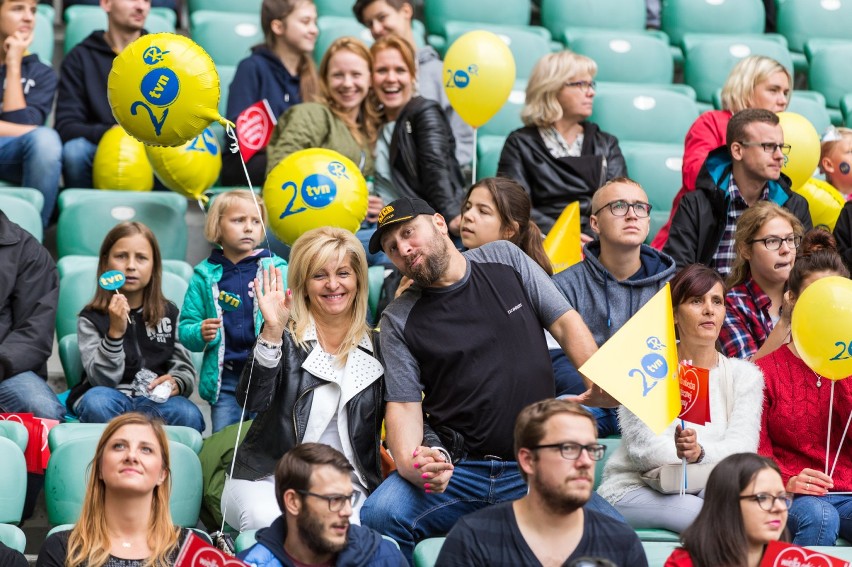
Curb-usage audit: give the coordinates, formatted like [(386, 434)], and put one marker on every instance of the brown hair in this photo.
[(529, 426), (365, 129), (279, 10), (748, 225), (404, 48), (153, 300), (693, 281), (514, 206), (818, 253), (740, 120), (294, 469), (89, 541), (361, 5)]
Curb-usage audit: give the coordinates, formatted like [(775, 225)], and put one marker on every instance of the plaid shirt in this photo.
[(747, 320), (725, 254)]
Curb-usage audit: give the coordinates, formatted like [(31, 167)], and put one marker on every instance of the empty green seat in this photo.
[(15, 432), (22, 213), (80, 21), (438, 12), (68, 197), (802, 20), (658, 168), (66, 432), (526, 44), (626, 57), (334, 27), (13, 480), (226, 37), (826, 76), (732, 17), (508, 118), (658, 551), (226, 75), (557, 15), (33, 196), (426, 552), (811, 105), (69, 357), (43, 40), (237, 6), (245, 540), (13, 537), (488, 150), (644, 114)]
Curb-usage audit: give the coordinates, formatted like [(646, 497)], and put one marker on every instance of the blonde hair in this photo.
[(748, 225), (548, 77), (212, 230), (365, 129), (745, 76), (313, 250), (826, 148), (89, 541)]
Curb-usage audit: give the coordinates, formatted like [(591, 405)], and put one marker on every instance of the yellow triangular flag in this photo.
[(562, 244), (638, 365)]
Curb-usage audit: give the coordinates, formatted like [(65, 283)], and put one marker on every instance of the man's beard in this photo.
[(433, 264), (560, 501), (311, 533)]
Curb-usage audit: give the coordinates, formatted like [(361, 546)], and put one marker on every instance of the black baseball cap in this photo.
[(396, 212)]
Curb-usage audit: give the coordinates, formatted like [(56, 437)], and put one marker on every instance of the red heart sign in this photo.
[(788, 555), (198, 553)]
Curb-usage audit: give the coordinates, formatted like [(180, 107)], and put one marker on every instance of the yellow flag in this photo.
[(638, 365), (562, 244)]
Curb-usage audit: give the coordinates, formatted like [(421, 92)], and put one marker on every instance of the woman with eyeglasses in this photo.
[(735, 391), (796, 409), (766, 240), (745, 508), (560, 157)]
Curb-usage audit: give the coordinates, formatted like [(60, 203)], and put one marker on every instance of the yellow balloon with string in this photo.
[(164, 89), (190, 169), (120, 163)]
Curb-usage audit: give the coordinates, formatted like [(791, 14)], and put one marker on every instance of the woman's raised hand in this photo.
[(274, 303)]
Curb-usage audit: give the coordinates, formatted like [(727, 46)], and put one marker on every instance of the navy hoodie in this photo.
[(39, 83), (258, 76)]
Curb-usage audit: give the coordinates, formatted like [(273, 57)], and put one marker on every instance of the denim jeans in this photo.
[(364, 234), (34, 160), (28, 392), (227, 410), (101, 404), (78, 155), (817, 520), (405, 513)]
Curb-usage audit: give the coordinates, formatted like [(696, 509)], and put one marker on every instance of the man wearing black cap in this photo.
[(465, 347)]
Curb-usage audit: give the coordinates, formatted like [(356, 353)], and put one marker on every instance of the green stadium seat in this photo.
[(426, 552), (611, 443), (70, 264), (827, 77), (802, 20), (68, 197), (625, 15), (334, 27), (13, 537), (508, 118), (83, 225), (488, 150), (437, 13), (658, 551), (644, 114), (626, 56), (22, 213), (66, 432), (80, 21), (679, 88), (526, 44), (43, 40), (226, 75), (15, 432), (708, 59), (237, 6), (34, 196), (376, 275), (69, 357), (226, 37), (46, 10), (334, 8), (731, 17), (245, 540), (811, 105), (658, 168), (13, 479), (659, 217), (67, 472)]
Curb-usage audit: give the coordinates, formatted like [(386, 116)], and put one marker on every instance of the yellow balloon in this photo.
[(314, 188), (190, 169), (479, 72), (822, 327), (120, 163), (824, 201), (164, 89), (804, 152)]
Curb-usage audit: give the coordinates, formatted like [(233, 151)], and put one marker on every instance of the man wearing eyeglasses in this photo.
[(556, 449), (313, 486), (734, 177), (618, 276)]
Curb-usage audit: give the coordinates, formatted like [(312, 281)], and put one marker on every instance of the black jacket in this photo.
[(423, 157), (282, 397), (553, 183), (843, 233), (699, 223)]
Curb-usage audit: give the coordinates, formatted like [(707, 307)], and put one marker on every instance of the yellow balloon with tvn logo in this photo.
[(314, 188), (190, 169), (164, 89), (479, 72)]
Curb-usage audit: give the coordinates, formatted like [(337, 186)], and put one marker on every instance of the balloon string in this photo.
[(473, 161), (828, 434), (839, 445), (235, 149)]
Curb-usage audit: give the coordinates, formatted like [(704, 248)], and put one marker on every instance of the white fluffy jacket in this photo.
[(734, 428)]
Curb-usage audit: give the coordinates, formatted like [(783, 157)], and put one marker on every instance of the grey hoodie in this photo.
[(604, 303)]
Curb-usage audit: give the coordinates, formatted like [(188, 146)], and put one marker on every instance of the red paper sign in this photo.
[(196, 552), (779, 554), (694, 394), (254, 128), (37, 452)]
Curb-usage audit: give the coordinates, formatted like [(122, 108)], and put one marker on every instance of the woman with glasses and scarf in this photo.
[(559, 156)]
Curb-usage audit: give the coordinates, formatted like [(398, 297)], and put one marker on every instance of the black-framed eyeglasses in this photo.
[(571, 451), (769, 147), (584, 86), (766, 501), (335, 501), (620, 208), (774, 242)]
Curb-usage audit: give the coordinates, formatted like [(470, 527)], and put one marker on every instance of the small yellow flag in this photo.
[(638, 365), (562, 244)]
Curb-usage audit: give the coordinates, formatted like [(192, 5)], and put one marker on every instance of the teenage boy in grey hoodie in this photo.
[(620, 273)]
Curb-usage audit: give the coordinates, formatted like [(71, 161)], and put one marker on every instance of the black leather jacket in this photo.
[(552, 182), (423, 157), (282, 397)]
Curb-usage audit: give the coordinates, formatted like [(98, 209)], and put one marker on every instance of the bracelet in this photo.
[(444, 452), (700, 456), (271, 346)]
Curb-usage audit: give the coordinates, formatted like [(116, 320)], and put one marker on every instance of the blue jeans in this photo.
[(817, 520), (227, 410), (34, 160), (101, 404), (405, 513), (28, 392), (607, 419), (364, 233), (78, 155)]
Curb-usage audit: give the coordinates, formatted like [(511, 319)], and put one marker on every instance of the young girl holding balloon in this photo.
[(127, 335), (220, 316)]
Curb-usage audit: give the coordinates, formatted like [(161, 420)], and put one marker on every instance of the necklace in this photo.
[(126, 544), (819, 379)]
